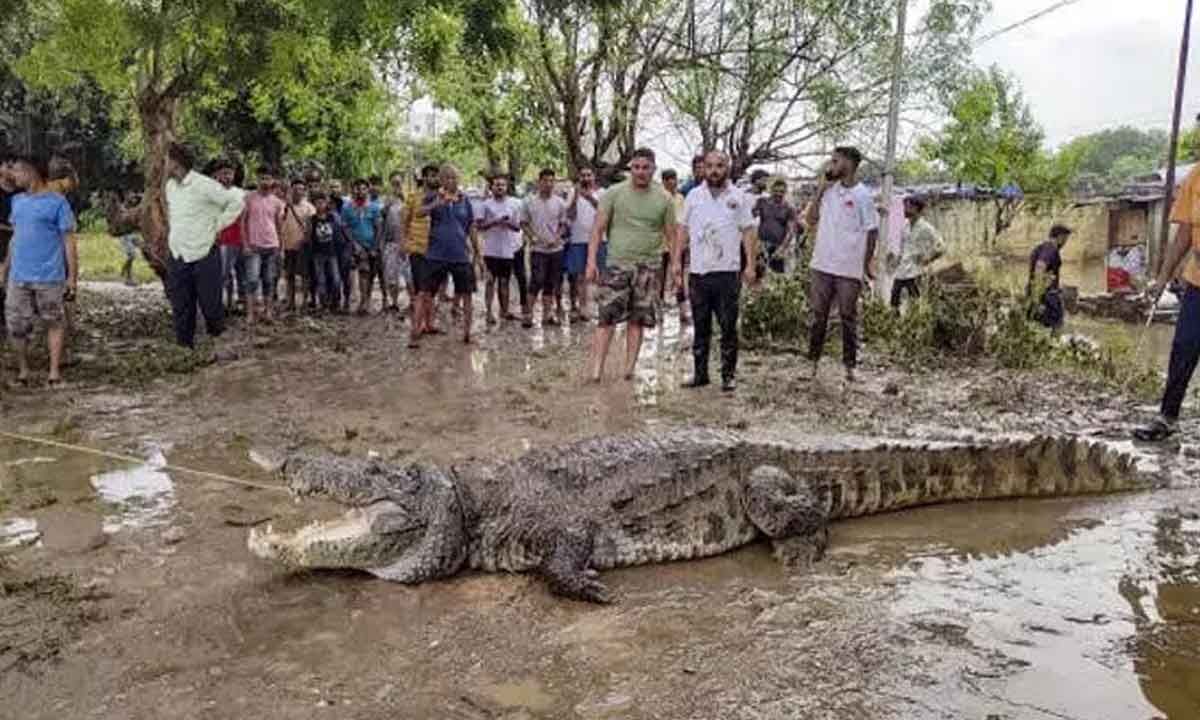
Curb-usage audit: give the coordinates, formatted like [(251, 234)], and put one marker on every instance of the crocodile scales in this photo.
[(569, 511)]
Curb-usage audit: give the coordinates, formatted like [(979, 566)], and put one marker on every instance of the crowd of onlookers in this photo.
[(579, 249)]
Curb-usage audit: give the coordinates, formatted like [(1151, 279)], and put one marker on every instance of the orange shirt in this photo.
[(1186, 211)]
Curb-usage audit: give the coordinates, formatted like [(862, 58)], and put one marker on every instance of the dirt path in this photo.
[(128, 592)]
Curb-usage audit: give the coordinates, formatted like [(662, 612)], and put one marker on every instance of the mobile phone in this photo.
[(829, 175)]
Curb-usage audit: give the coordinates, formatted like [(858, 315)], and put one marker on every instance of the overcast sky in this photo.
[(1095, 64)]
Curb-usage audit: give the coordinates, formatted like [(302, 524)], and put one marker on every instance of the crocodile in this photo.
[(569, 511)]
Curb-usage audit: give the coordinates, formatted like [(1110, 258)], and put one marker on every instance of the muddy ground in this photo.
[(126, 590)]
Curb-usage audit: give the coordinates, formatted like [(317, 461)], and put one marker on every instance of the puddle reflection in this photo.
[(141, 497), (19, 532), (1113, 607)]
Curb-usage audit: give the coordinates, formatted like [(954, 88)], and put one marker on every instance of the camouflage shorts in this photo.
[(628, 295), (26, 302)]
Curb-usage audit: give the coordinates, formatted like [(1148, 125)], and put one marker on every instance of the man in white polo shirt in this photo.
[(719, 224), (847, 224)]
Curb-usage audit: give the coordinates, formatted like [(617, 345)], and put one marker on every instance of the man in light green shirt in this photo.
[(198, 208), (638, 218), (920, 246)]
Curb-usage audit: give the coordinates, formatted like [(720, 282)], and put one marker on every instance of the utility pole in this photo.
[(889, 164), (1173, 152)]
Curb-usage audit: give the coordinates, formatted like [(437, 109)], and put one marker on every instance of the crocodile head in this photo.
[(405, 524)]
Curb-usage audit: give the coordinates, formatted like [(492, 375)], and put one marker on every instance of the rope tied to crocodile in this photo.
[(227, 479)]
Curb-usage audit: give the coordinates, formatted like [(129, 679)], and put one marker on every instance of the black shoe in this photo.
[(1157, 430), (695, 382), (729, 384)]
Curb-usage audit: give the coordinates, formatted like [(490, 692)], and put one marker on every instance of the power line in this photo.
[(1021, 23)]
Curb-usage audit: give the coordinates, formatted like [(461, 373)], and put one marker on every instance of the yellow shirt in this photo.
[(418, 227), (1186, 211)]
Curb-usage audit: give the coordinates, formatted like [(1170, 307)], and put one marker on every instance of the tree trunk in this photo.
[(158, 115)]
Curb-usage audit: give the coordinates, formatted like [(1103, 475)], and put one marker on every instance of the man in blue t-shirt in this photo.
[(43, 264), (363, 219), (451, 226)]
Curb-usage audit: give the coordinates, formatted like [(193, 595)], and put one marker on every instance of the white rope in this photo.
[(140, 461)]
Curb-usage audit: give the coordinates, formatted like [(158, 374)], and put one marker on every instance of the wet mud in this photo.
[(126, 590)]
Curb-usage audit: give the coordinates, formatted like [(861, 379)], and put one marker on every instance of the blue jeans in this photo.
[(328, 280), (1185, 352), (233, 267), (261, 267)]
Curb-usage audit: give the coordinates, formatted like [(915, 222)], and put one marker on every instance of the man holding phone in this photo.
[(843, 212)]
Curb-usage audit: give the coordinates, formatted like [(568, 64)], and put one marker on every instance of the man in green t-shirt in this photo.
[(638, 218)]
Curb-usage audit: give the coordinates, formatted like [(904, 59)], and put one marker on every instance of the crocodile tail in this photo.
[(883, 479)]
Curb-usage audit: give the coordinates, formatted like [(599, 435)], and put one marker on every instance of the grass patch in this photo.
[(100, 258)]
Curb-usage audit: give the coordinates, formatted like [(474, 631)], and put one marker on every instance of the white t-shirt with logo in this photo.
[(585, 219), (715, 225), (498, 240), (847, 215)]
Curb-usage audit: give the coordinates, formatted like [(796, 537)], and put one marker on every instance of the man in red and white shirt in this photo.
[(847, 224), (719, 225)]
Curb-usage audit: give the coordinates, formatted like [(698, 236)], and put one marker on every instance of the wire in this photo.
[(138, 461), (1021, 23)]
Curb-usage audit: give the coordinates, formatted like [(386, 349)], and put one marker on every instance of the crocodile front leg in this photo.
[(787, 511), (566, 567)]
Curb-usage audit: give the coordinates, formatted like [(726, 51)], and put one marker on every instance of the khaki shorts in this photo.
[(26, 302), (628, 295)]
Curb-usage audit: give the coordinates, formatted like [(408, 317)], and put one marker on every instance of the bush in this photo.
[(948, 325), (776, 314)]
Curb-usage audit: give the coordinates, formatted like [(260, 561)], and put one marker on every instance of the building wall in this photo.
[(967, 225)]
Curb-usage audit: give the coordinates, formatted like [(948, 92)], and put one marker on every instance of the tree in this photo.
[(161, 58), (1114, 157), (769, 80), (591, 64), (992, 140), (80, 124), (480, 77)]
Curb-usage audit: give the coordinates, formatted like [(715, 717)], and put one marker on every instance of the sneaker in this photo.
[(810, 375), (850, 375), (729, 385), (695, 382)]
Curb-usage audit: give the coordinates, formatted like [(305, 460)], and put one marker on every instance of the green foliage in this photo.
[(993, 141), (100, 258), (502, 125), (948, 326), (266, 77), (776, 315), (1111, 158)]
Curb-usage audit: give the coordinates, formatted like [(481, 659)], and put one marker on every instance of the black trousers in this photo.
[(191, 284), (911, 285), (717, 294), (522, 276), (1185, 352)]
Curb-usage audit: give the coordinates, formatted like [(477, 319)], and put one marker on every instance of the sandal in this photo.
[(1157, 430)]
